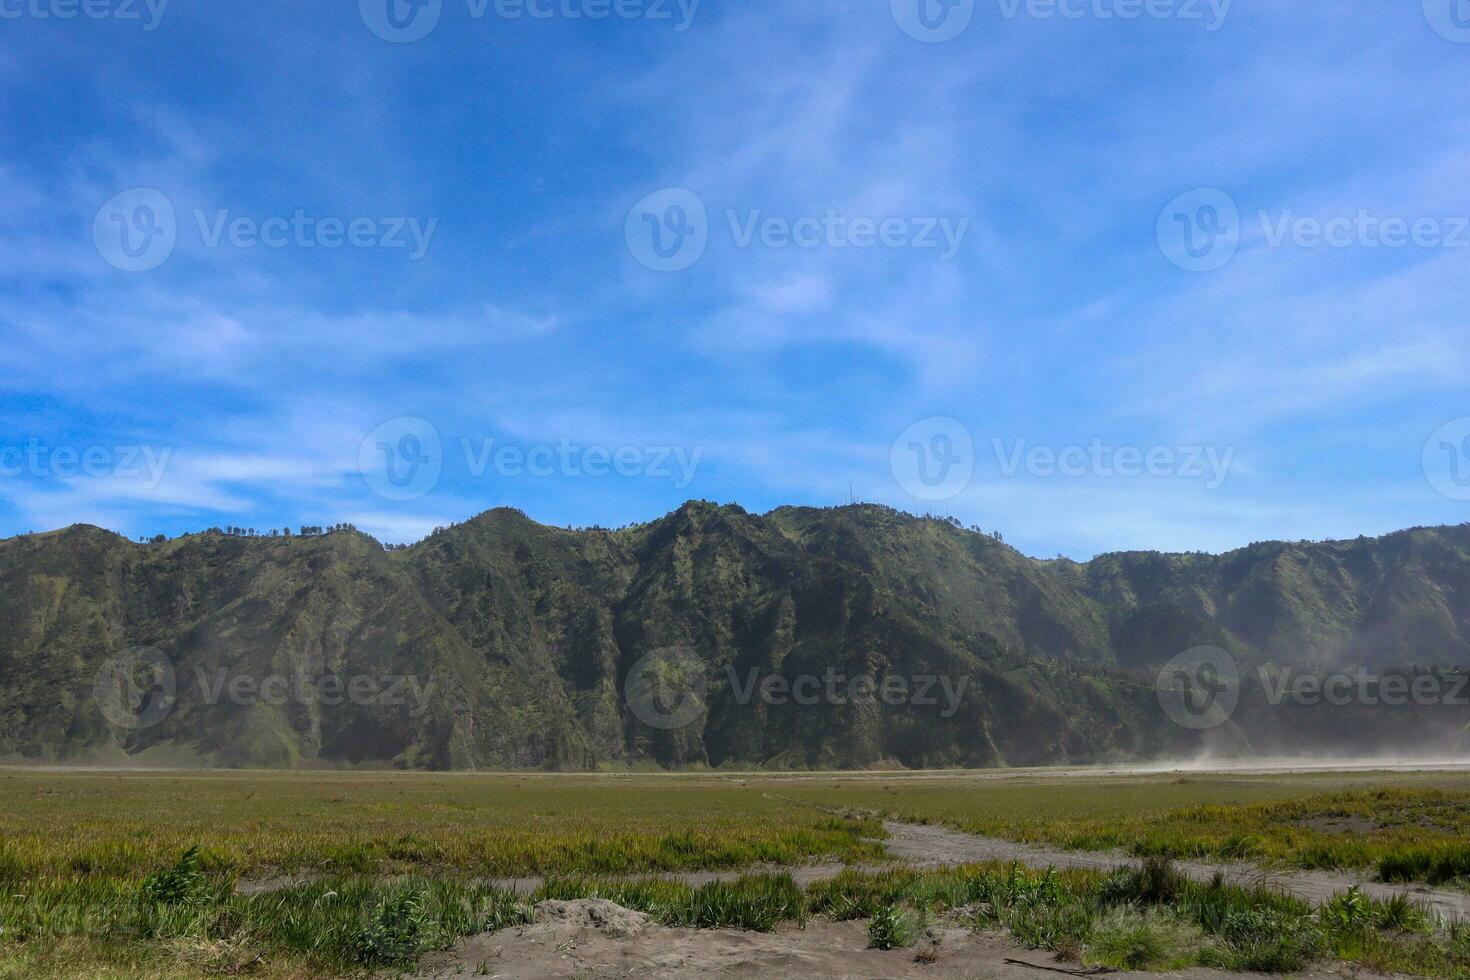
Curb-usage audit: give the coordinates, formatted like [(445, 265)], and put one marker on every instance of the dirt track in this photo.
[(558, 947), (932, 846), (598, 939)]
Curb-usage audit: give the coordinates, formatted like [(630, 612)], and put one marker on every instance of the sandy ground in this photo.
[(614, 942), (598, 939), (1256, 766), (933, 846), (930, 846)]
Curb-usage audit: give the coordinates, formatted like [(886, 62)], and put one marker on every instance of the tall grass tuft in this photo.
[(893, 927), (1130, 939)]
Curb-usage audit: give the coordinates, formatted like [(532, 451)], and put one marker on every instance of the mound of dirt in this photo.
[(555, 950), (592, 915)]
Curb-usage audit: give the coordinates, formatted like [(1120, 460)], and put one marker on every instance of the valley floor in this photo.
[(519, 875)]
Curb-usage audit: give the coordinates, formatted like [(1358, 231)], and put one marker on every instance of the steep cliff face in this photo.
[(504, 643)]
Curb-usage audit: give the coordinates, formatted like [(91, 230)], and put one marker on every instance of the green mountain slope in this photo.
[(502, 643)]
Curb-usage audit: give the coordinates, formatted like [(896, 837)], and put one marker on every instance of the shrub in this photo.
[(892, 928), (396, 932), (1266, 940), (1060, 927), (1436, 864), (1402, 914), (758, 902), (174, 886), (1154, 882), (1346, 912), (1127, 939), (858, 895)]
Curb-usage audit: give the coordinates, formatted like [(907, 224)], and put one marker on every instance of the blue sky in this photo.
[(823, 335)]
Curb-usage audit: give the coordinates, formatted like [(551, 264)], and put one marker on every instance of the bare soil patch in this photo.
[(569, 942)]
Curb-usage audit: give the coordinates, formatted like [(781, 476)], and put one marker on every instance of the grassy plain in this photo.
[(94, 881), (1395, 826), (263, 824)]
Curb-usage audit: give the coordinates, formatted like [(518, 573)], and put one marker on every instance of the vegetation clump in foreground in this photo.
[(184, 921)]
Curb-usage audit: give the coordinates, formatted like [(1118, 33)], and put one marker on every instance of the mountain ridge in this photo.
[(532, 632)]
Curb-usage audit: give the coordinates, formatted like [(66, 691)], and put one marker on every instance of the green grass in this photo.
[(1398, 827), (187, 922), (261, 825), (893, 927), (182, 919), (1132, 939), (134, 875)]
